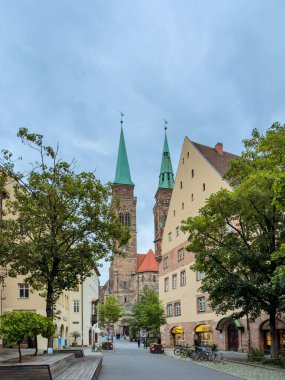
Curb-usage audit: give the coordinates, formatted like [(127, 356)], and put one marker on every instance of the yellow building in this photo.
[(189, 315)]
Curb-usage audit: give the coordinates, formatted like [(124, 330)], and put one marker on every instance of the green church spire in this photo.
[(123, 175), (166, 177)]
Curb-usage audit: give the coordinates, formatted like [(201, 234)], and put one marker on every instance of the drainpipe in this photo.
[(82, 313)]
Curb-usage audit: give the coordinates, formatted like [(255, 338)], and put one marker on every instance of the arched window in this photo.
[(125, 218)]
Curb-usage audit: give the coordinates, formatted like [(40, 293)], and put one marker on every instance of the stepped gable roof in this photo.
[(146, 262), (220, 161)]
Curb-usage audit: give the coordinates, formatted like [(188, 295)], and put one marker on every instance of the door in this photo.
[(232, 337)]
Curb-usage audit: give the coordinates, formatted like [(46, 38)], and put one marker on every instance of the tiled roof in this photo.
[(219, 161), (146, 262)]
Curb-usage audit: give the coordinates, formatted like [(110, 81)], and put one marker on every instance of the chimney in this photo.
[(219, 148)]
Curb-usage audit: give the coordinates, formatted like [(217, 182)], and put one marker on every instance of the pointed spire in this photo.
[(123, 175), (166, 177)]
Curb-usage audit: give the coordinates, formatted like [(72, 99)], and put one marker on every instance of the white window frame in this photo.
[(76, 306), (199, 275), (166, 284), (166, 262), (23, 291), (201, 304), (169, 310), (174, 282), (169, 236), (177, 307), (181, 254), (183, 278)]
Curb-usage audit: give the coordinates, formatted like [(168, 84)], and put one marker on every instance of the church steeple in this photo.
[(123, 174), (166, 177)]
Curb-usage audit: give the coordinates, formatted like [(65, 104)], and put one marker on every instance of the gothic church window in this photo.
[(125, 218)]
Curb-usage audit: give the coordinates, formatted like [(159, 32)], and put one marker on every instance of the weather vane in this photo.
[(165, 124), (122, 115)]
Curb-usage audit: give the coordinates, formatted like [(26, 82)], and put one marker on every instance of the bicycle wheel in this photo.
[(184, 354), (177, 351)]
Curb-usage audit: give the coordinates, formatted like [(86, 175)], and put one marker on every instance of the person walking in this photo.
[(139, 342)]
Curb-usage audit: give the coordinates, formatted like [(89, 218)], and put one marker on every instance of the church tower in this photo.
[(162, 197), (122, 276)]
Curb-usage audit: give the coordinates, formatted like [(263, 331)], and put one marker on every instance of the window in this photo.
[(181, 185), (125, 299), (201, 304), (174, 281), (173, 212), (192, 197), (187, 154), (180, 254), (199, 275), (177, 307), (125, 218), (177, 231), (183, 278), (142, 280), (166, 262), (192, 173), (169, 310), (183, 160), (124, 284), (23, 290), (154, 278), (76, 306), (169, 236), (204, 186), (182, 205), (166, 284)]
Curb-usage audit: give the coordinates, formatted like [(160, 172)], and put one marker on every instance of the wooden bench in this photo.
[(87, 368), (44, 368)]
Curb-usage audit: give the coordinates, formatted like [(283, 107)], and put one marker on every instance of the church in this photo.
[(128, 274)]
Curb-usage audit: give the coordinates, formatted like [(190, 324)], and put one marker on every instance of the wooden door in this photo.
[(232, 337)]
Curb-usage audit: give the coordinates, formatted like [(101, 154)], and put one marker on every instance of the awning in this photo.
[(177, 330)]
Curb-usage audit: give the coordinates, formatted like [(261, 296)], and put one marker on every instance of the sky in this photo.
[(213, 69)]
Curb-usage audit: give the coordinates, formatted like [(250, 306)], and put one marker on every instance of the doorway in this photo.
[(232, 337)]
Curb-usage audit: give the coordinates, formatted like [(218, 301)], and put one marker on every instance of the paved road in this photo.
[(128, 362)]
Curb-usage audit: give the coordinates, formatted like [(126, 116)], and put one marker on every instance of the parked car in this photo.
[(156, 348)]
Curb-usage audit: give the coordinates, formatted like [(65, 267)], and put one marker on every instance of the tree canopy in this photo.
[(237, 236), (17, 325), (110, 311), (148, 313), (59, 222)]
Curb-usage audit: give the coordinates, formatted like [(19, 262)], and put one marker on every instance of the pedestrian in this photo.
[(139, 342), (196, 343)]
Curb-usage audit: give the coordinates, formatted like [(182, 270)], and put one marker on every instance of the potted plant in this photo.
[(75, 335)]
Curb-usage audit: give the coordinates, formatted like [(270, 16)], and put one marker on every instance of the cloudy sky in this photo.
[(213, 68)]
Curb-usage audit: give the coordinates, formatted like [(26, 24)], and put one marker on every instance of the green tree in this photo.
[(17, 325), (237, 234), (64, 223), (75, 335), (148, 313), (110, 312), (38, 324)]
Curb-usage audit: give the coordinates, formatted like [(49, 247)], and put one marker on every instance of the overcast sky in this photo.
[(214, 69)]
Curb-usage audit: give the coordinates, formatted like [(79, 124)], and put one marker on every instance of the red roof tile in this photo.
[(146, 262), (219, 161)]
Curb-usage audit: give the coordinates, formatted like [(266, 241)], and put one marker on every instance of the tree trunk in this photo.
[(36, 345), (273, 335), (20, 355), (49, 309)]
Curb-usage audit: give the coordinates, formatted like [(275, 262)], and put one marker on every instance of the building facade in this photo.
[(189, 315), (76, 309)]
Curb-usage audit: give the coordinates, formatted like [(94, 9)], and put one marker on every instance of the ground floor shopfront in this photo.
[(226, 333)]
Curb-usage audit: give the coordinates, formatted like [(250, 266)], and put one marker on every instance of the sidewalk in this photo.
[(235, 364), (11, 353)]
